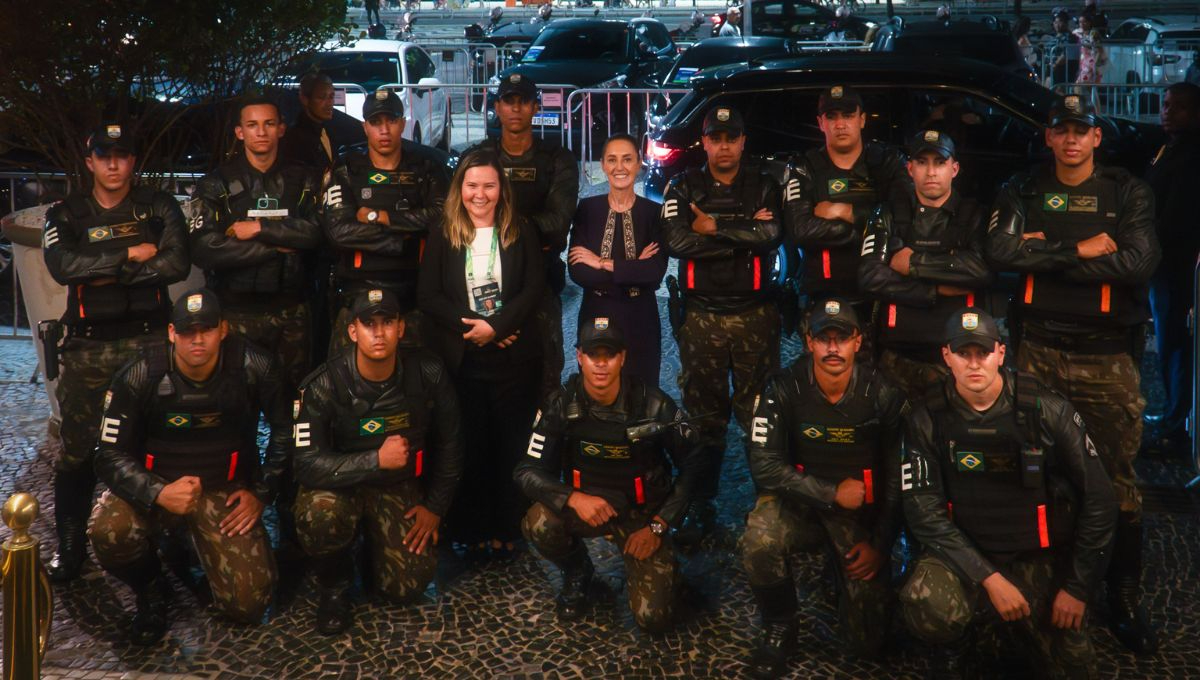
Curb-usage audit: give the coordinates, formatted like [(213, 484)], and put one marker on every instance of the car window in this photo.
[(999, 48), (654, 34), (419, 64), (784, 18), (606, 42), (1131, 33), (369, 69)]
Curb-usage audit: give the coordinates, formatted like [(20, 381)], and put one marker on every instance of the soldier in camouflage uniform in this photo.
[(721, 222), (178, 449), (378, 444), (1082, 237), (589, 476), (823, 448), (1008, 498), (115, 247)]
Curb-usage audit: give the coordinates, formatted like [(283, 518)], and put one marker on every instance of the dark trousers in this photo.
[(1170, 301), (497, 412)]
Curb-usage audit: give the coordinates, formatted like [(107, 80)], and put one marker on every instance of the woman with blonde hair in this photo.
[(481, 278)]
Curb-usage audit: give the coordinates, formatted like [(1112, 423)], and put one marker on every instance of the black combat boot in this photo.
[(572, 600), (697, 524), (335, 613), (953, 661), (72, 504), (1128, 618), (153, 594), (777, 604)]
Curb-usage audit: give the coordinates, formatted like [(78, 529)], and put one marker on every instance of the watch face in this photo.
[(372, 216)]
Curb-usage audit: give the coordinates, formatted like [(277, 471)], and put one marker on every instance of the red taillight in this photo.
[(716, 18), (661, 153)]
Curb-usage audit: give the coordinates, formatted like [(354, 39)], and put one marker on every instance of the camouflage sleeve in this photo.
[(924, 501), (539, 472), (682, 444), (121, 440), (768, 452)]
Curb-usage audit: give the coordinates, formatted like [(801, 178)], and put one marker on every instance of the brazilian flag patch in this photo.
[(812, 431), (838, 186), (969, 461), (370, 426), (1055, 202), (380, 178), (179, 421)]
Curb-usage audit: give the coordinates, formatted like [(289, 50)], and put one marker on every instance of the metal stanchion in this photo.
[(1191, 425), (28, 599)]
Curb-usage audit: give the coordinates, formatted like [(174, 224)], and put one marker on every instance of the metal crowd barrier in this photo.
[(1133, 101), (28, 598), (596, 114), (1194, 415)]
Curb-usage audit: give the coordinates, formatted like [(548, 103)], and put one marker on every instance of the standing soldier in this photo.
[(378, 443), (721, 222), (1007, 496), (179, 447), (823, 449), (832, 191), (116, 248), (378, 209), (545, 187), (922, 259), (1082, 236), (589, 476)]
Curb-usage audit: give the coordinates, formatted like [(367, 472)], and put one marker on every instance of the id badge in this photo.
[(486, 298)]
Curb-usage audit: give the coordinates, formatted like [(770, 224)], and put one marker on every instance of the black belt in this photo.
[(1107, 343), (622, 292), (116, 331)]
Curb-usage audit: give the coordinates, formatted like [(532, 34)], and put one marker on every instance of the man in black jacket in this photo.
[(378, 442), (178, 448), (307, 141), (115, 247), (823, 448), (378, 209), (922, 259), (545, 186), (1082, 237), (255, 228), (721, 222), (589, 476), (830, 193), (1007, 495)]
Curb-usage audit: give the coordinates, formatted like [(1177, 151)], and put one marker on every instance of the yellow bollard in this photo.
[(28, 599)]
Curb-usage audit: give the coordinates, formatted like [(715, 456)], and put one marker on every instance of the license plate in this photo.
[(548, 119)]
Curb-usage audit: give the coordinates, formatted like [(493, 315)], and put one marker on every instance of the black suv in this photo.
[(995, 117), (987, 41)]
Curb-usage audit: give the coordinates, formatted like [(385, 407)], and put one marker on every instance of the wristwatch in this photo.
[(373, 216), (657, 528)]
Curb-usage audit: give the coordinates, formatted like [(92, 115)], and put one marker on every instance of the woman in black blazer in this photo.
[(480, 281)]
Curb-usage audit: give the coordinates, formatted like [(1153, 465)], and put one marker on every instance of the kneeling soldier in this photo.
[(378, 442), (1006, 493), (599, 464), (823, 445), (178, 447)]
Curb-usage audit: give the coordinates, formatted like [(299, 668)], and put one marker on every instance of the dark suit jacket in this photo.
[(442, 296)]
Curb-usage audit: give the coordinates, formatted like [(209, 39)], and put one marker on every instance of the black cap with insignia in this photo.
[(368, 303), (518, 84), (600, 332), (839, 98), (197, 308), (383, 101), (1073, 108), (931, 140), (832, 313), (971, 326), (723, 119), (108, 137)]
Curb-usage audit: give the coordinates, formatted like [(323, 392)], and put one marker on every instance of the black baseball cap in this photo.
[(723, 119), (368, 303), (971, 326), (600, 332), (518, 84), (832, 313), (197, 308), (108, 137), (1073, 108), (383, 101), (839, 98), (931, 140)]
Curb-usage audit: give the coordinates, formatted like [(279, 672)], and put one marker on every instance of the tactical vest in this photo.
[(87, 303), (530, 181), (746, 273), (280, 194), (1073, 214), (402, 410), (837, 441), (835, 270), (396, 191), (907, 325), (205, 431), (996, 483), (600, 460)]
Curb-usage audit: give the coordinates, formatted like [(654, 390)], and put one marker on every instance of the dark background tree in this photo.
[(168, 68)]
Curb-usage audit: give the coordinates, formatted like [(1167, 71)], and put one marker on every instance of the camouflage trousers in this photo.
[(327, 522), (88, 367), (1106, 391), (711, 348), (339, 338), (550, 325), (916, 378), (937, 606), (284, 333), (775, 529), (240, 569), (653, 582)]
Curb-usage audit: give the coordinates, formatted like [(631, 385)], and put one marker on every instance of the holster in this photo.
[(50, 333), (676, 308)]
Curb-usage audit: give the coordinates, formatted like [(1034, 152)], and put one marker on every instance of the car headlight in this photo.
[(617, 81)]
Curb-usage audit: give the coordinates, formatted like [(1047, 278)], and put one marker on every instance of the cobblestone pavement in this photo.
[(498, 620)]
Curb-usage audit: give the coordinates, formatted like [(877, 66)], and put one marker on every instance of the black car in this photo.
[(987, 41), (801, 20), (593, 53), (995, 117)]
